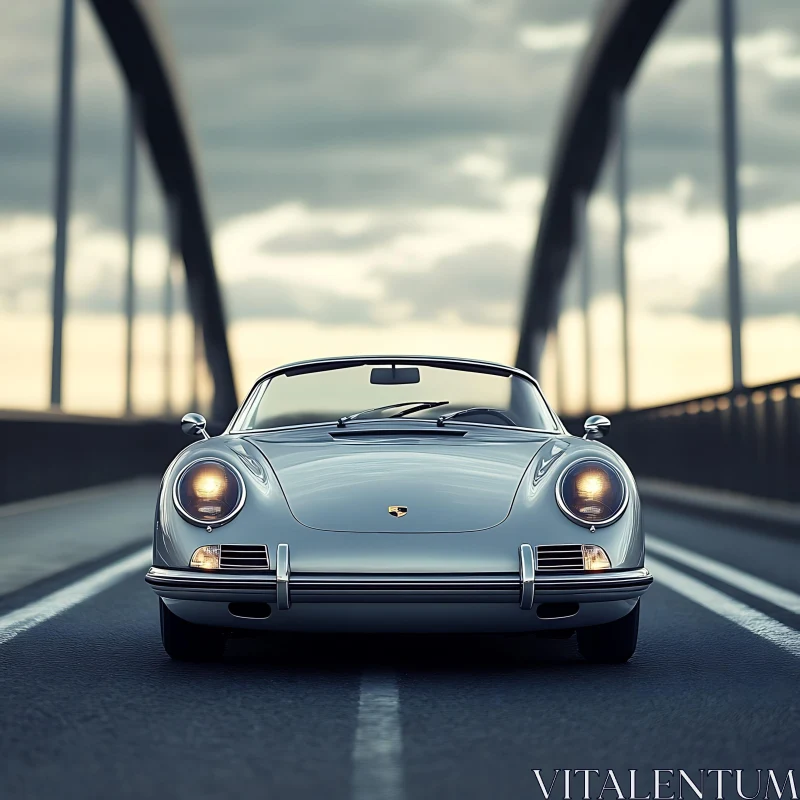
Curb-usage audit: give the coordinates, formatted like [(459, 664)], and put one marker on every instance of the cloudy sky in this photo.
[(374, 171)]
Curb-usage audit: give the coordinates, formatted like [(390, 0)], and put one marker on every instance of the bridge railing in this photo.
[(745, 441), (52, 452)]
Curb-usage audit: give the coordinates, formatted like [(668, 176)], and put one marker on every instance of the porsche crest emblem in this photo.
[(398, 511)]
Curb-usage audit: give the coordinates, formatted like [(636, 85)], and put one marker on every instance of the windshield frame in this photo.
[(325, 364)]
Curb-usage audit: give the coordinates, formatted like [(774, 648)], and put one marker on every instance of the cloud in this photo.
[(552, 12), (775, 52), (770, 267), (674, 105), (95, 278), (375, 160), (28, 95), (480, 285), (762, 297), (96, 260), (266, 298), (780, 296), (685, 52), (319, 239), (677, 254), (336, 267), (484, 166), (360, 103), (350, 250), (547, 38)]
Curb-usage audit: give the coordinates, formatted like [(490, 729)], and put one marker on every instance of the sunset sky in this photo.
[(374, 171)]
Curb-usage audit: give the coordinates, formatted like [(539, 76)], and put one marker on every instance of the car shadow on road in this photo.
[(400, 651)]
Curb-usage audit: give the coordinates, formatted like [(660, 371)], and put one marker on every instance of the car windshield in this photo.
[(383, 390)]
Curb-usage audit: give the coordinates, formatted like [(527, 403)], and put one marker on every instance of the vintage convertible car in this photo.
[(398, 493)]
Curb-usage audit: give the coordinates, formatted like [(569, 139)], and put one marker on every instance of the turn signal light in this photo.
[(595, 558), (206, 557)]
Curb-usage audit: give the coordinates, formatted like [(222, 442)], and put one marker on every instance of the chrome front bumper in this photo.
[(283, 587)]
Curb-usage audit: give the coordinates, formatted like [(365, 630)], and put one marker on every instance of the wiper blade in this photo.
[(418, 406), (421, 407), (453, 414)]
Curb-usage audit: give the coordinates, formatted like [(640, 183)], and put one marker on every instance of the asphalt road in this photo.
[(91, 707)]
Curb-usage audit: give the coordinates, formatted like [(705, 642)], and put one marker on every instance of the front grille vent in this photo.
[(560, 557), (243, 556)]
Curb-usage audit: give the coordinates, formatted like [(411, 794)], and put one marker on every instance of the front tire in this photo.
[(612, 643), (185, 641)]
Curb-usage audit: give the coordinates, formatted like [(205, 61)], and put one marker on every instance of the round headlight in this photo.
[(209, 492), (592, 492)]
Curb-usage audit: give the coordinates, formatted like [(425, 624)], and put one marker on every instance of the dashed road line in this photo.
[(378, 746)]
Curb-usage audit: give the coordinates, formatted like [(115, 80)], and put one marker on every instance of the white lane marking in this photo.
[(748, 618), (378, 747), (27, 617), (67, 498), (757, 587)]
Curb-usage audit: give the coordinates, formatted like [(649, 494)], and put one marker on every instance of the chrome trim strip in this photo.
[(526, 577), (205, 523), (336, 362), (503, 582), (332, 423), (250, 403), (282, 575), (210, 583), (629, 579), (565, 509), (319, 586)]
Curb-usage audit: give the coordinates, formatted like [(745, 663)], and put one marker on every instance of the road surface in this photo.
[(93, 708)]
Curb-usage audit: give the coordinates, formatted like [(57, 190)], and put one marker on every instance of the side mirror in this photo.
[(194, 425), (596, 426)]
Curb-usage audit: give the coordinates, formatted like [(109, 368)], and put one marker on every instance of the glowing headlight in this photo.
[(209, 492), (592, 492)]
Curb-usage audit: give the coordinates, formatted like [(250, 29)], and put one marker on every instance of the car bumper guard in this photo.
[(283, 587)]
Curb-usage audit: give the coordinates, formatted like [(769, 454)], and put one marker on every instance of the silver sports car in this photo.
[(398, 493)]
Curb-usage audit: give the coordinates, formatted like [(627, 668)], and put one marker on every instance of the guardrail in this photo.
[(46, 453), (743, 441)]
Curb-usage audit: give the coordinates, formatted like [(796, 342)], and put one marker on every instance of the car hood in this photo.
[(448, 484)]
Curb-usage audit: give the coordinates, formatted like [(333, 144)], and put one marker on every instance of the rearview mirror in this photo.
[(596, 427), (194, 425), (392, 376)]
